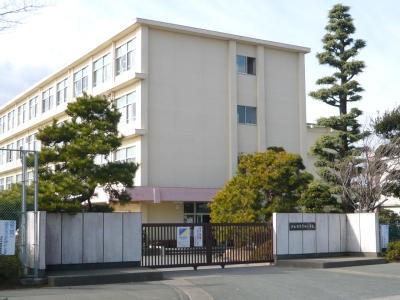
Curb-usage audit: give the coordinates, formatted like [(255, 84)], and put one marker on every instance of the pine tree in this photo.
[(68, 173), (338, 90)]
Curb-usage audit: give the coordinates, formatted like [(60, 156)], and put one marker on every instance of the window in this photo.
[(30, 142), (1, 184), (101, 70), (246, 65), (196, 212), (30, 177), (10, 119), (127, 107), (100, 159), (21, 114), (32, 108), (125, 57), (2, 156), (9, 181), (125, 154), (80, 81), (61, 94), (247, 114), (18, 178), (47, 100), (10, 154), (2, 124), (20, 146)]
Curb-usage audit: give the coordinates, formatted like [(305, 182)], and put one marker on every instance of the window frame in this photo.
[(126, 158), (82, 81), (247, 60), (103, 69), (32, 108), (125, 58), (127, 108), (9, 182), (47, 100), (246, 121), (3, 124), (62, 91), (10, 120)]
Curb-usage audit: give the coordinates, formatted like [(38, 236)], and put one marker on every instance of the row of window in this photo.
[(7, 182), (127, 154), (101, 73), (126, 105), (27, 143)]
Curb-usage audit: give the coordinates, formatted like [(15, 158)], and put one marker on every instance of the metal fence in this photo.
[(18, 196), (174, 245), (394, 232)]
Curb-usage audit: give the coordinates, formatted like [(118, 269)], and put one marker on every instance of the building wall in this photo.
[(282, 100), (189, 133), (186, 132), (188, 118)]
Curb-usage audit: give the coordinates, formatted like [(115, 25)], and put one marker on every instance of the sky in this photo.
[(64, 30)]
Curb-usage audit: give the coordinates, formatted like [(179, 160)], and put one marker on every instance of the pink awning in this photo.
[(162, 194)]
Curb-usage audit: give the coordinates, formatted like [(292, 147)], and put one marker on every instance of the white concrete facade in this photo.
[(332, 234), (187, 88)]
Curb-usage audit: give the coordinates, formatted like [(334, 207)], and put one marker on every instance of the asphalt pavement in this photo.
[(251, 282)]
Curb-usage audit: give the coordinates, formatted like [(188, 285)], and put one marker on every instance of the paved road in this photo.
[(261, 282)]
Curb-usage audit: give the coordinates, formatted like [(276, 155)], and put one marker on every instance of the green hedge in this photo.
[(393, 251), (10, 270)]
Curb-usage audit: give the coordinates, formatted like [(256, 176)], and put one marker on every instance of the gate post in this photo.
[(208, 242)]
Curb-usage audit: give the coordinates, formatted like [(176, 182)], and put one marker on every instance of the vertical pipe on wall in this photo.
[(144, 104), (302, 108), (232, 109), (261, 101)]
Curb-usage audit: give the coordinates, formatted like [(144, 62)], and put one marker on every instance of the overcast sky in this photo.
[(66, 29)]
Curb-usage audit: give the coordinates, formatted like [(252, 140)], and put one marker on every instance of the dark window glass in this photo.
[(251, 115), (188, 208), (241, 111), (202, 208), (251, 65)]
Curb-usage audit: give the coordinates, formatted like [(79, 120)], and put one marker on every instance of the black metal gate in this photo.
[(175, 245)]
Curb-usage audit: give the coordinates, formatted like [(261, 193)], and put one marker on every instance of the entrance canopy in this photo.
[(165, 194)]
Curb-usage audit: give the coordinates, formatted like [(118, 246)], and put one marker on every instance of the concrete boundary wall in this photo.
[(333, 234), (93, 238), (30, 240)]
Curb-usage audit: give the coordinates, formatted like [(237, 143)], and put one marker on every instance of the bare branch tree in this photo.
[(12, 12), (371, 176)]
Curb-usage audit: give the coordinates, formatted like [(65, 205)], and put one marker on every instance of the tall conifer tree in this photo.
[(338, 90)]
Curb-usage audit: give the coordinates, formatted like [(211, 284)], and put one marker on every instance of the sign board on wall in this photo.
[(7, 237), (198, 236), (302, 226), (183, 237)]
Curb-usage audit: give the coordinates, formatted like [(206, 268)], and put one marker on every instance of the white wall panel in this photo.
[(334, 233), (72, 234), (295, 236), (93, 238), (113, 237), (53, 239), (322, 232), (309, 236)]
